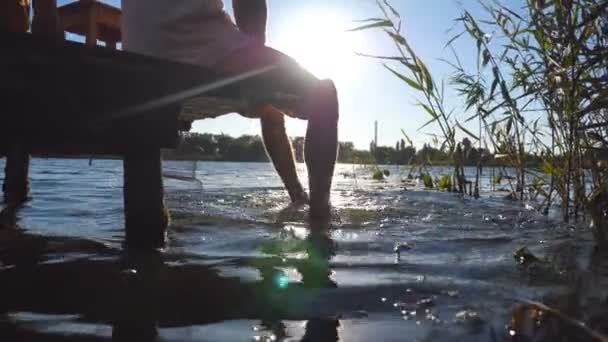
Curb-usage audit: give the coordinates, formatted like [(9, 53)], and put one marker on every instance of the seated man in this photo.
[(14, 15), (200, 32)]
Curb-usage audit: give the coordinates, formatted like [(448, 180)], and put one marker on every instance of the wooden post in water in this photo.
[(146, 217), (16, 183)]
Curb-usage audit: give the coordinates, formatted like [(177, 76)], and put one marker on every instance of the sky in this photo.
[(314, 32)]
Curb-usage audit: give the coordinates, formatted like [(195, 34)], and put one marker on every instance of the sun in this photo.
[(322, 45)]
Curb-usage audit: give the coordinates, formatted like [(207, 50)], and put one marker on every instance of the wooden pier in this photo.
[(66, 98)]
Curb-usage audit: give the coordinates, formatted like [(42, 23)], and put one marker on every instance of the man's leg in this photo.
[(279, 149), (321, 145), (318, 104)]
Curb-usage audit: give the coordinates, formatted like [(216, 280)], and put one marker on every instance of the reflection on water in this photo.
[(315, 273), (138, 292), (392, 265)]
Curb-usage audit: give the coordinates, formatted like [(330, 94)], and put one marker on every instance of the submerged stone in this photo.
[(523, 256)]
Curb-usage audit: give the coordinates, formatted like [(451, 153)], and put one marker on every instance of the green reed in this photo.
[(539, 89), (413, 71)]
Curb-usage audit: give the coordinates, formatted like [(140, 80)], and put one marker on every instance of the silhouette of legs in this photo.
[(317, 103)]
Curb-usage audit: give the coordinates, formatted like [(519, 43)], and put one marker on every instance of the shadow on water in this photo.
[(135, 293)]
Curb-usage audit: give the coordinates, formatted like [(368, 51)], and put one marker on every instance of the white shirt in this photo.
[(189, 31)]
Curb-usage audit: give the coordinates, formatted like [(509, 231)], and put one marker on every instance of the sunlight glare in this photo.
[(320, 44)]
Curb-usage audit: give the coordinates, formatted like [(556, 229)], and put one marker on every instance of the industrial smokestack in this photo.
[(376, 133)]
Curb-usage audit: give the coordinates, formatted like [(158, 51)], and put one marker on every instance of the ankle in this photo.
[(320, 207), (299, 197)]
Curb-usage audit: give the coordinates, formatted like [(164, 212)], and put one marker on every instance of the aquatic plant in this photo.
[(427, 180), (444, 183), (412, 70), (496, 179), (551, 73), (378, 175), (540, 91)]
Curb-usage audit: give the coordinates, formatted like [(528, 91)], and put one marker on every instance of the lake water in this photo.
[(241, 267)]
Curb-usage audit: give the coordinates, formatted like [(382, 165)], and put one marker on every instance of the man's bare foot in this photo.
[(295, 211)]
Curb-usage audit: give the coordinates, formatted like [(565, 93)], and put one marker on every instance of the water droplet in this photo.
[(451, 293), (425, 302), (468, 316), (401, 246)]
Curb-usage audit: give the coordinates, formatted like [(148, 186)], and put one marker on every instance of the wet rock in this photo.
[(523, 256), (537, 322), (469, 319), (559, 265)]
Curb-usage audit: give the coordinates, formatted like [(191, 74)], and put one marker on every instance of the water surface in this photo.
[(239, 266)]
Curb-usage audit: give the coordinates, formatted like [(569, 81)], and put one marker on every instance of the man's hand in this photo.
[(251, 16)]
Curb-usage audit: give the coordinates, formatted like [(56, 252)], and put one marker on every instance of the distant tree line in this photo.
[(250, 148), (218, 147)]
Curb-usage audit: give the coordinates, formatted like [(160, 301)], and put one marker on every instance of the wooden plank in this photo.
[(88, 83), (76, 87)]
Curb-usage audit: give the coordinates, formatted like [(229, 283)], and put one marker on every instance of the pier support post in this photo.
[(16, 183), (146, 218)]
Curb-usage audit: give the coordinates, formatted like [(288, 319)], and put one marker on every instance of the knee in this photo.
[(323, 102), (272, 119)]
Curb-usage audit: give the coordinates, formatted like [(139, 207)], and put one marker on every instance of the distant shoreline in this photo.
[(112, 157)]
